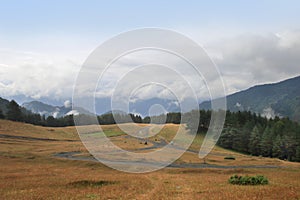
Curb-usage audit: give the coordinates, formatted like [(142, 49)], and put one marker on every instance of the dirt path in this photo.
[(157, 145), (74, 156)]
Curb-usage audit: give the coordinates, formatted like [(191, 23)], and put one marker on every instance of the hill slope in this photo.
[(282, 99)]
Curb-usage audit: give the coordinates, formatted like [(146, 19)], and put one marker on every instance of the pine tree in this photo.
[(266, 143), (226, 139), (239, 141), (51, 121), (246, 132), (1, 115), (254, 142), (277, 147), (14, 111), (297, 156)]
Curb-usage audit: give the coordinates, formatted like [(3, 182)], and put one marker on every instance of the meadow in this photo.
[(30, 170)]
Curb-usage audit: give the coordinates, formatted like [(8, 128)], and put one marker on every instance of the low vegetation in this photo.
[(87, 183), (248, 180)]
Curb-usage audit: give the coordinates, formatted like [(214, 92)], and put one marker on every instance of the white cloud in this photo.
[(67, 104), (36, 75), (250, 59), (243, 60)]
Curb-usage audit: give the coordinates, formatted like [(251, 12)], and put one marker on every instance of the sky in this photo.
[(43, 44)]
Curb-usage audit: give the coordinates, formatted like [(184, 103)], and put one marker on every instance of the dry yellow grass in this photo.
[(29, 170)]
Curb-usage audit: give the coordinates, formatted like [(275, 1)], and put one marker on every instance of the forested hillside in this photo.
[(276, 99), (252, 134)]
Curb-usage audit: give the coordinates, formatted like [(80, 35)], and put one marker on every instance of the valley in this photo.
[(34, 166)]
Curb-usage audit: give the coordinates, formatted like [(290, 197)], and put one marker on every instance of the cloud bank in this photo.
[(243, 61)]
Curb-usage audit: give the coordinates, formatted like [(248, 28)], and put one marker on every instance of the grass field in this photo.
[(29, 170)]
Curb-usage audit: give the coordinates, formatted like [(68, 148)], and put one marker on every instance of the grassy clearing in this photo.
[(28, 170)]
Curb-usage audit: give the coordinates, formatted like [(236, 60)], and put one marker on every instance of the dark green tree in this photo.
[(277, 147), (266, 143), (226, 139), (1, 115), (14, 112), (254, 141), (297, 155), (51, 121), (241, 140)]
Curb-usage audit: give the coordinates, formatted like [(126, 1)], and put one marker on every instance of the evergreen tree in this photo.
[(244, 137), (14, 112), (226, 139), (254, 142), (51, 121), (238, 140), (279, 127), (68, 120), (266, 143), (297, 155), (289, 147), (146, 120), (277, 147), (1, 115)]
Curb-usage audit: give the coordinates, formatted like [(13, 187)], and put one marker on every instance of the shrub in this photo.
[(248, 180), (229, 158), (86, 183)]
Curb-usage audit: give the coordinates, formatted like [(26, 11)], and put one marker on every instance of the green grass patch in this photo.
[(112, 133), (248, 180), (108, 133)]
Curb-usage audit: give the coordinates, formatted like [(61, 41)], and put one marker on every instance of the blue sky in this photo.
[(23, 18), (38, 38)]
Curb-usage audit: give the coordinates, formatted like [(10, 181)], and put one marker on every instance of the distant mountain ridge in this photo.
[(49, 110), (281, 99), (276, 99), (103, 106)]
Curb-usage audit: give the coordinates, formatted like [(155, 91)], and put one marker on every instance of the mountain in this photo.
[(103, 106), (49, 110), (21, 98), (143, 106), (147, 107), (119, 112), (281, 99)]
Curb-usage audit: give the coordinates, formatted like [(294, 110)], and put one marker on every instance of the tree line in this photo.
[(253, 134), (20, 114), (17, 113)]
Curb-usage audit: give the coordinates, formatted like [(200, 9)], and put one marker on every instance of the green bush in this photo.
[(248, 180)]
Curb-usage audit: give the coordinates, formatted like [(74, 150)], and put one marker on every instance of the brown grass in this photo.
[(28, 170)]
